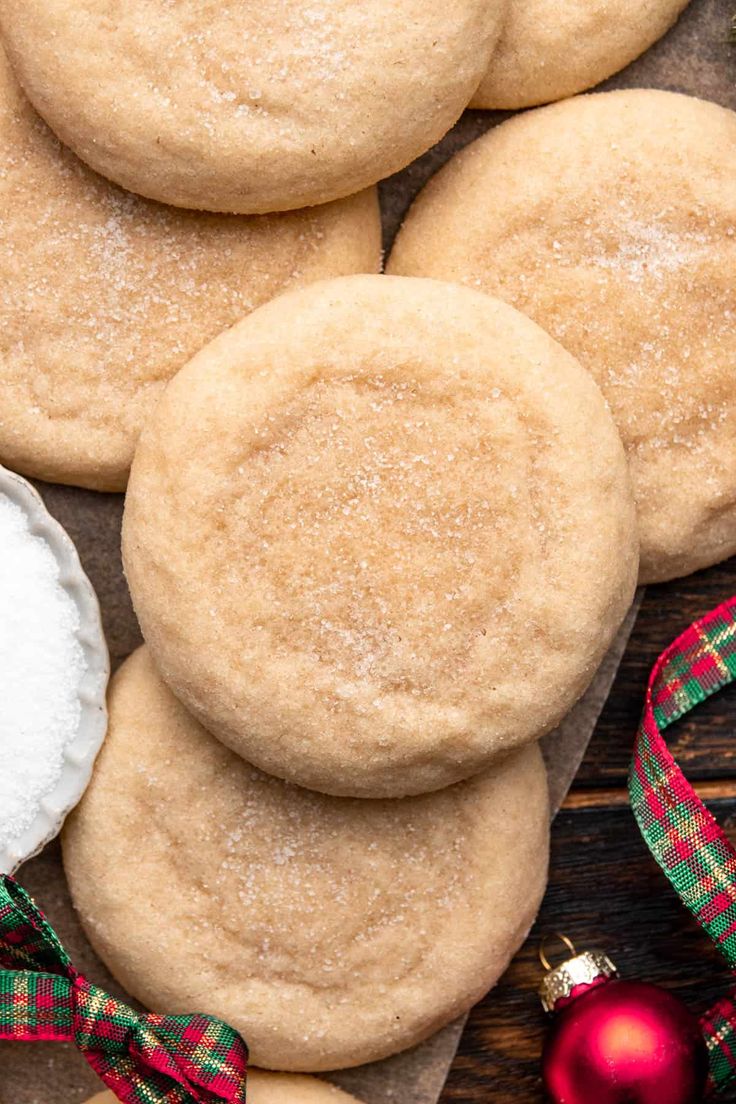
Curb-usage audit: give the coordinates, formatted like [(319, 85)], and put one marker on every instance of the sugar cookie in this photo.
[(611, 220), (244, 108), (275, 1088), (550, 49), (103, 296), (328, 931), (380, 533)]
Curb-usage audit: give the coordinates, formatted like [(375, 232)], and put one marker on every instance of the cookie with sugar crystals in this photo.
[(328, 931), (275, 1088), (379, 534), (611, 220), (551, 49), (246, 107), (104, 296)]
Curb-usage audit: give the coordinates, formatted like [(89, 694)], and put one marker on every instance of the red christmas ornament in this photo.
[(617, 1042)]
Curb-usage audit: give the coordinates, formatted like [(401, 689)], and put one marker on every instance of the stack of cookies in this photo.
[(378, 535), (380, 530)]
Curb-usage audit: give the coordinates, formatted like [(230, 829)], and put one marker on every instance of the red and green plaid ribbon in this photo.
[(143, 1059), (683, 836)]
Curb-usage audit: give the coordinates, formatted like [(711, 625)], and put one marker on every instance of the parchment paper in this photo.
[(53, 1074), (417, 1076), (693, 58)]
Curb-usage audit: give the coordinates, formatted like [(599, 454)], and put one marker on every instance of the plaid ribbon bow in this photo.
[(143, 1059), (683, 836)]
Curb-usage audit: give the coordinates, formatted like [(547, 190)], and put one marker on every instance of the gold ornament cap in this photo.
[(580, 969)]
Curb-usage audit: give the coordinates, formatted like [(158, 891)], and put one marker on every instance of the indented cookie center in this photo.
[(659, 364), (381, 527)]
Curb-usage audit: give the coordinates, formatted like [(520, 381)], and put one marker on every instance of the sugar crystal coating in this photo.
[(611, 221), (104, 295), (384, 504), (41, 666)]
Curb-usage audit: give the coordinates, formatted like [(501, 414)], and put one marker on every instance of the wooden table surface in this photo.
[(605, 890)]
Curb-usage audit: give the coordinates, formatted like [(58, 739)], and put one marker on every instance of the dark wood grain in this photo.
[(703, 743), (604, 886), (605, 891)]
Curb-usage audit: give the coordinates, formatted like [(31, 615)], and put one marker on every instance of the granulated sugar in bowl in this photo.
[(54, 669)]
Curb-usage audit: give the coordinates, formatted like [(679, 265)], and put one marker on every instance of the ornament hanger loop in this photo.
[(546, 940)]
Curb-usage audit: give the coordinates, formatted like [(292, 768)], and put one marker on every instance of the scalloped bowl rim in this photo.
[(81, 752)]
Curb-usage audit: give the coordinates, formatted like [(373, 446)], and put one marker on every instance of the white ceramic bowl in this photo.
[(80, 753)]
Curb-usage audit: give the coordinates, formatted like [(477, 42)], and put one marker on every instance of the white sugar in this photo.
[(41, 665), (648, 249)]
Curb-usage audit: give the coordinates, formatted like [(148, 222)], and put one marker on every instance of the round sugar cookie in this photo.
[(103, 296), (551, 49), (328, 931), (611, 220), (275, 1088), (379, 534), (244, 108)]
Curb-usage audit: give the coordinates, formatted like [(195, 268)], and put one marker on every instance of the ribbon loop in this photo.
[(683, 836), (681, 833), (143, 1059), (27, 940)]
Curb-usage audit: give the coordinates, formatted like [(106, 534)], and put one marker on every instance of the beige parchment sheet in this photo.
[(694, 58), (55, 1074)]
